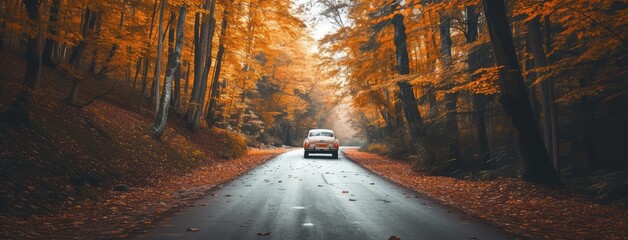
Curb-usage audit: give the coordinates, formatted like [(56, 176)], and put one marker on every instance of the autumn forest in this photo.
[(101, 98)]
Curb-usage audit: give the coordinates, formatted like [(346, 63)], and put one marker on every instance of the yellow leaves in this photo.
[(197, 152)]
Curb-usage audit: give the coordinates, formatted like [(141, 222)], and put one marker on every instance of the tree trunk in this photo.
[(173, 63), (176, 91), (18, 111), (160, 49), (144, 82), (478, 101), (3, 27), (537, 165), (408, 100), (89, 19), (203, 90), (105, 68), (451, 99), (200, 30), (138, 66), (202, 70), (147, 57), (52, 29), (211, 109), (186, 77), (92, 65), (547, 92)]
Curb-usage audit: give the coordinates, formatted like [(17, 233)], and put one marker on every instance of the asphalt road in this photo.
[(291, 197)]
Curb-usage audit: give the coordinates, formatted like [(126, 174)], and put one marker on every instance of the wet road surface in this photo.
[(291, 197)]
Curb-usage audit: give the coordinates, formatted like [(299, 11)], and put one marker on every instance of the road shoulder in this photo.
[(518, 207), (121, 214)]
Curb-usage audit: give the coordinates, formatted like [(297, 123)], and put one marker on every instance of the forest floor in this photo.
[(119, 214), (519, 207), (57, 175)]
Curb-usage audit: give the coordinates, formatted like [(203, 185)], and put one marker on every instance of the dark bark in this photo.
[(200, 77), (92, 65), (199, 111), (408, 100), (530, 77), (211, 109), (431, 99), (105, 68), (537, 165), (3, 27), (479, 107), (138, 66), (147, 57), (187, 64), (71, 98), (160, 48), (550, 118), (199, 30), (173, 63), (32, 74), (478, 101), (50, 44), (89, 19), (451, 99), (144, 82), (18, 111)]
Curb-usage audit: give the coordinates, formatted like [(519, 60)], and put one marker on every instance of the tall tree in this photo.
[(550, 118), (478, 100), (18, 110), (160, 49), (50, 44), (410, 107), (90, 19), (200, 76), (211, 109), (147, 56), (514, 98), (451, 98), (173, 64)]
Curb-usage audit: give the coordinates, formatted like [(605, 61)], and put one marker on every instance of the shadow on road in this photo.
[(321, 156)]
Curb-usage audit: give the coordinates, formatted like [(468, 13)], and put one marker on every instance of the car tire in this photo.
[(306, 155), (334, 155)]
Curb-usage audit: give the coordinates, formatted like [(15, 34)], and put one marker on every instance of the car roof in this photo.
[(320, 129)]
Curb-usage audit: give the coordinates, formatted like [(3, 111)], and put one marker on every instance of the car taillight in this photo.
[(336, 144)]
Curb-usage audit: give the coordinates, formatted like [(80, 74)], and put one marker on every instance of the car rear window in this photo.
[(321, 134)]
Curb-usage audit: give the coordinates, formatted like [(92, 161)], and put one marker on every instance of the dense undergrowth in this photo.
[(69, 154)]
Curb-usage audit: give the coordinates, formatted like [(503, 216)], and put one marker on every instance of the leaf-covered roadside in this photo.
[(519, 207), (124, 213)]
